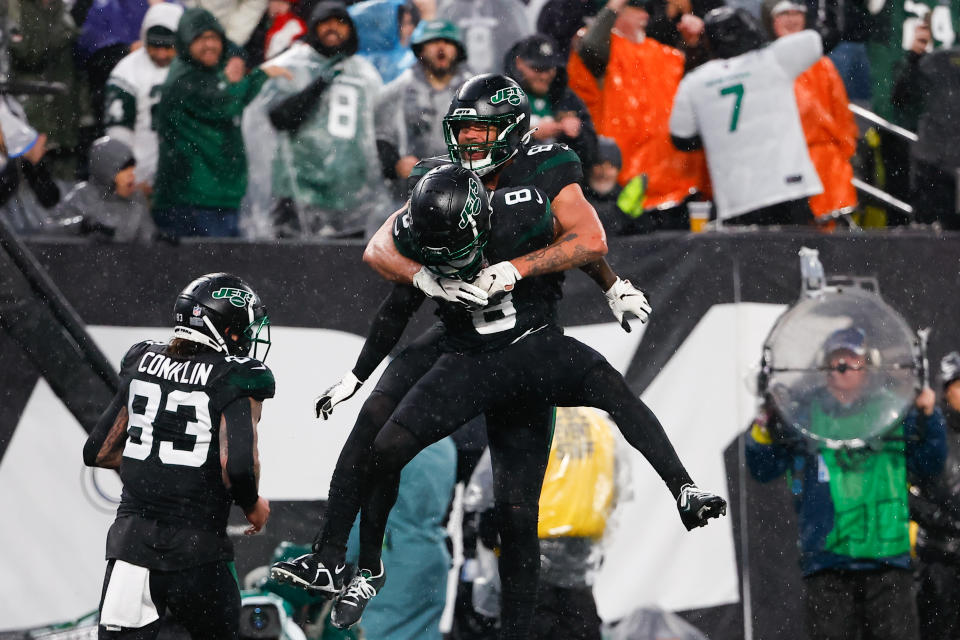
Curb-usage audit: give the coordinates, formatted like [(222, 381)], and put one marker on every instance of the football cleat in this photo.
[(349, 605), (307, 572), (697, 507)]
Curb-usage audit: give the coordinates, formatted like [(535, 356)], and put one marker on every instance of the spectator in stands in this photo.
[(828, 124), (133, 85), (23, 150), (935, 507), (489, 28), (378, 24), (636, 78), (929, 83), (740, 108), (285, 27), (41, 50), (238, 17), (856, 567), (326, 175), (561, 19), (556, 111), (110, 31), (202, 169), (679, 24), (602, 189), (108, 205), (411, 108)]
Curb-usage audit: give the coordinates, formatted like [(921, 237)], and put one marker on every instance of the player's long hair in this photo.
[(181, 348)]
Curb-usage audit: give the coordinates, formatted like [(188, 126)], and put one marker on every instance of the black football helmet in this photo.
[(731, 32), (221, 311), (494, 100), (450, 221)]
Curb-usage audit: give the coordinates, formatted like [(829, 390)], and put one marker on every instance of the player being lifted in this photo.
[(508, 354), (487, 124), (182, 430)]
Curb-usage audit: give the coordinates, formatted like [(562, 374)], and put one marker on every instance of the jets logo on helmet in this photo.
[(513, 95), (236, 297), (496, 106), (472, 206), (222, 312), (450, 221)]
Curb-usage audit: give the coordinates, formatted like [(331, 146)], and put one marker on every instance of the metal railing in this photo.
[(868, 191)]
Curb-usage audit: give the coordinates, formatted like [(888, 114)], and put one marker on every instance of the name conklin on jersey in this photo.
[(163, 367)]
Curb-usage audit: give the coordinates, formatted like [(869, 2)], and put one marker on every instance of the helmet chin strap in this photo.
[(212, 340)]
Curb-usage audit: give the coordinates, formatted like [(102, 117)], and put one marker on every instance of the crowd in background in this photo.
[(303, 118)]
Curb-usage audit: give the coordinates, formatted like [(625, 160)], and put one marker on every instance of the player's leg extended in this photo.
[(519, 436), (349, 484), (438, 404)]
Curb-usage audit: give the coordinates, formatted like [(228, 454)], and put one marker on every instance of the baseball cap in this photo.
[(852, 339), (949, 368), (159, 36), (787, 5), (608, 151), (540, 52)]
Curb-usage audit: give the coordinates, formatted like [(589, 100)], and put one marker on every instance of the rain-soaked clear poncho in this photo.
[(797, 368), (328, 166)]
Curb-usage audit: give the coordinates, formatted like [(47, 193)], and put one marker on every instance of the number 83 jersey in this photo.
[(521, 222), (171, 469), (745, 112)]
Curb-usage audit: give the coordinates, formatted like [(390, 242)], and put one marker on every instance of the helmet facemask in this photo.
[(497, 151)]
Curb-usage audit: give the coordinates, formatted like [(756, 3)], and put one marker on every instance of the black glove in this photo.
[(696, 507)]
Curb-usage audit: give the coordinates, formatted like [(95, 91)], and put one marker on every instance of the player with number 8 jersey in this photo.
[(181, 430)]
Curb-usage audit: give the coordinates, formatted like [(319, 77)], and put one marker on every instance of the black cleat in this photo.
[(697, 506), (307, 572), (349, 605)]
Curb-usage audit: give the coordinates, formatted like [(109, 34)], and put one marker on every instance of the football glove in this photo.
[(697, 507), (625, 298), (449, 289), (498, 278), (336, 394)]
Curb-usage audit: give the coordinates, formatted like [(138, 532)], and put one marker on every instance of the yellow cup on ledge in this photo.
[(699, 215)]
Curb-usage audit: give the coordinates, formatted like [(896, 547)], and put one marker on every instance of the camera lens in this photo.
[(259, 618)]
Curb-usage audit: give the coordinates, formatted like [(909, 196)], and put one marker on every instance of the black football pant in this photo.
[(871, 605), (544, 368), (938, 595), (205, 600), (519, 438)]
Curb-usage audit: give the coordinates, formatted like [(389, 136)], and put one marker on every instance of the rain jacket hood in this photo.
[(164, 14), (107, 158), (193, 24), (326, 10)]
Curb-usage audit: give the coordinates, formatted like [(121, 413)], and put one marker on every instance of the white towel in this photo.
[(128, 602)]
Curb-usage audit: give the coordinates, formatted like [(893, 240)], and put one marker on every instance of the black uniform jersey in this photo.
[(521, 222), (171, 469), (549, 167)]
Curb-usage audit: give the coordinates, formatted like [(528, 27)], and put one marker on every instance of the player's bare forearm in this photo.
[(601, 273), (382, 255), (567, 252), (111, 453)]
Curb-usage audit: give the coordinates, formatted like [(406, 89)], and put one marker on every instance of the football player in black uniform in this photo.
[(511, 352), (448, 228), (182, 430), (494, 104)]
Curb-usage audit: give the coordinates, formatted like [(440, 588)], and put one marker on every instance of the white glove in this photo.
[(623, 298), (336, 394), (498, 278), (449, 289)]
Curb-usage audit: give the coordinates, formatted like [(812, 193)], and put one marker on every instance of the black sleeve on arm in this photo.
[(687, 144), (387, 327), (97, 437), (388, 155), (908, 88), (594, 48), (290, 113), (240, 468), (41, 182)]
